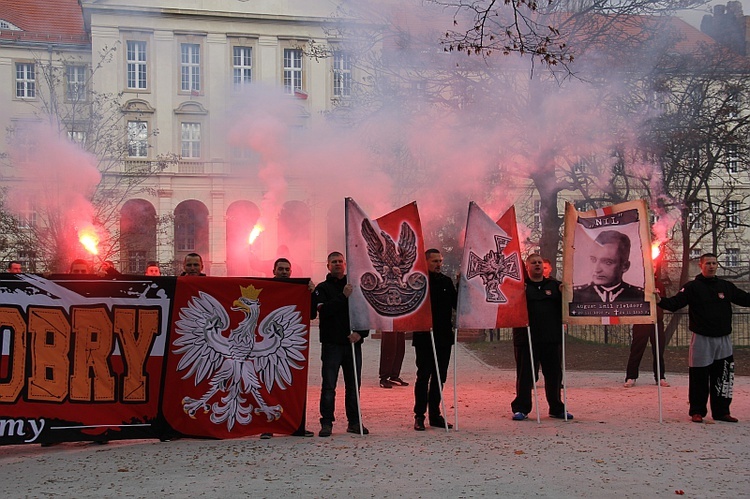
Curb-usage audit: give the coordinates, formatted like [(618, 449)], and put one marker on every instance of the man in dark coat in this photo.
[(331, 304), (443, 299), (710, 358), (544, 303)]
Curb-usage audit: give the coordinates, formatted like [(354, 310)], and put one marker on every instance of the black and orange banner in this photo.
[(89, 359)]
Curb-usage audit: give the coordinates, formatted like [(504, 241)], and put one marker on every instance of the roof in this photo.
[(58, 21)]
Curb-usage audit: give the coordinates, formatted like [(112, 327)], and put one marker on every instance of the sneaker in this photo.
[(629, 383), (439, 422), (419, 423), (519, 416), (384, 383), (398, 381), (325, 430), (727, 418), (696, 418), (664, 383), (354, 428), (561, 416)]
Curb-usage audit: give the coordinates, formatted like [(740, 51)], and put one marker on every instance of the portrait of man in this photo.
[(608, 260)]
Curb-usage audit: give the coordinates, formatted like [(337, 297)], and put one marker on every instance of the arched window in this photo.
[(137, 235), (190, 232), (295, 233), (241, 217)]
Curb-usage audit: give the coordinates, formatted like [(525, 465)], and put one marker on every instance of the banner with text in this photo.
[(607, 269), (85, 358)]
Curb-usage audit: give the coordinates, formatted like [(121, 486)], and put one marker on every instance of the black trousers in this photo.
[(642, 334), (548, 355), (392, 350), (716, 380), (426, 388)]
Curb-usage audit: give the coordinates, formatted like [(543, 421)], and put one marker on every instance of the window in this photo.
[(242, 65), (695, 254), (28, 260), (137, 139), (733, 102), (76, 82), (696, 217), (342, 74), (77, 136), (136, 64), (292, 70), (25, 80), (732, 257), (733, 219), (185, 230), (733, 160), (190, 67), (191, 140), (27, 217), (537, 213), (136, 262)]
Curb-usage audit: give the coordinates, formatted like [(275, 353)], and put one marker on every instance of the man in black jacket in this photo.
[(544, 303), (710, 358), (331, 304), (443, 299)]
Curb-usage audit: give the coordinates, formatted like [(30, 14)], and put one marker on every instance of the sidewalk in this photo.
[(615, 447)]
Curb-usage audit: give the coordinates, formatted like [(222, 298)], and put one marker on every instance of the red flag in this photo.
[(238, 357), (491, 291), (387, 268)]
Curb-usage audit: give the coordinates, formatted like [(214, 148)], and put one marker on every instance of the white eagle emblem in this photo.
[(239, 363)]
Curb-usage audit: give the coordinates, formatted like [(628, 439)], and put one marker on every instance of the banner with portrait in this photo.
[(608, 274)]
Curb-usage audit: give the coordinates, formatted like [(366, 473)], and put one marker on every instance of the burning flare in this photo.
[(655, 250), (89, 240), (255, 233)]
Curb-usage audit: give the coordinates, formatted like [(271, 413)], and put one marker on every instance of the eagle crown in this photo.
[(250, 292)]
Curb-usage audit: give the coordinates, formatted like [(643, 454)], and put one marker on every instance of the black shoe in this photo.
[(354, 428), (325, 430), (266, 436), (384, 383), (727, 418), (398, 381), (419, 423), (439, 422)]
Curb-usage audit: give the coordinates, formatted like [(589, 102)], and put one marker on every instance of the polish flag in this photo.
[(491, 292), (387, 269)]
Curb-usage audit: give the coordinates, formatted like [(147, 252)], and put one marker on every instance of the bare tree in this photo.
[(67, 102), (549, 32)]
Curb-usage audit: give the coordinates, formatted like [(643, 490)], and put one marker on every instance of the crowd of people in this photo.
[(709, 298)]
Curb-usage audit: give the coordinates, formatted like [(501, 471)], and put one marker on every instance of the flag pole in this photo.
[(533, 376), (658, 370), (356, 388), (564, 375), (437, 373), (455, 378)]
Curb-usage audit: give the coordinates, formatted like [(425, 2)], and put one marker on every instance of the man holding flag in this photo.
[(443, 299), (544, 304), (331, 303)]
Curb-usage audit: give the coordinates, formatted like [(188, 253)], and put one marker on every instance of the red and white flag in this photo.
[(387, 268), (491, 291)]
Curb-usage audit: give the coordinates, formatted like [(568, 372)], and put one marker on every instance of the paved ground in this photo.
[(615, 447)]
